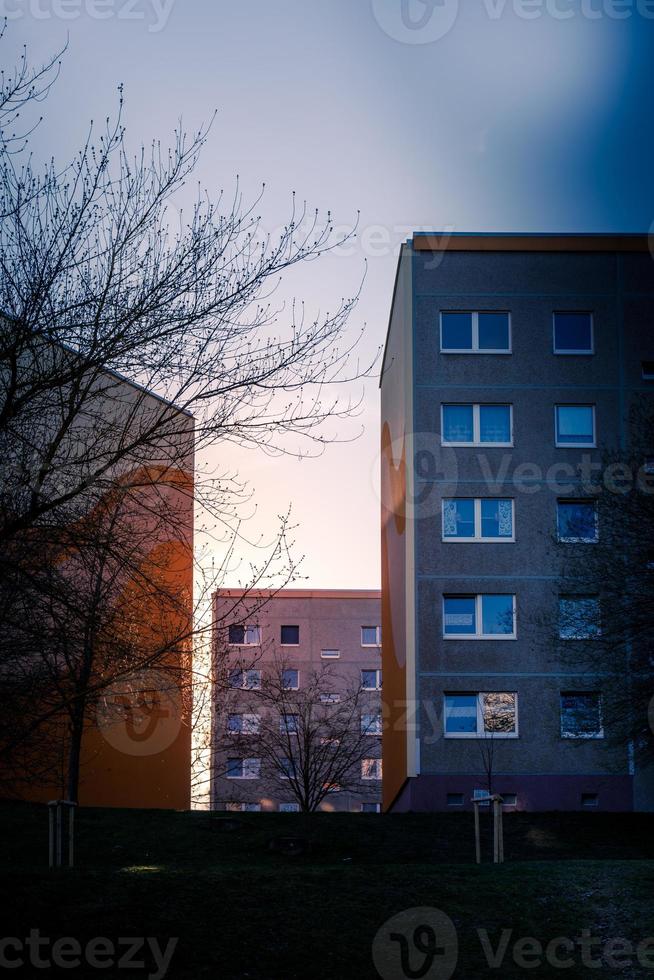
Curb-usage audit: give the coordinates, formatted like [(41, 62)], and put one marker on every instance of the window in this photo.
[(509, 799), (330, 654), (575, 425), (648, 464), (371, 769), (479, 616), (243, 724), (577, 521), (287, 768), (371, 808), (481, 794), (477, 425), (288, 724), (371, 680), (249, 680), (475, 333), (581, 714), (455, 799), (478, 519), (243, 807), (290, 679), (243, 768), (371, 724), (371, 636), (245, 636), (290, 636), (330, 698), (647, 368), (589, 800), (579, 617), (289, 807), (573, 333), (468, 715)]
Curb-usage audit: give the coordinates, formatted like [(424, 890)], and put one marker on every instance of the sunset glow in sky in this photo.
[(467, 117)]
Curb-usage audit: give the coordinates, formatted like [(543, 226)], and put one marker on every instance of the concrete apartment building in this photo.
[(299, 635), (503, 351)]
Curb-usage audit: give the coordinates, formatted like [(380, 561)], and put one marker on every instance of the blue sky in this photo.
[(494, 115)]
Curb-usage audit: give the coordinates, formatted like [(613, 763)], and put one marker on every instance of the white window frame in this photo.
[(281, 643), (574, 445), (479, 618), (288, 808), (250, 723), (449, 539), (283, 727), (378, 678), (246, 642), (377, 807), (330, 654), (577, 500), (243, 686), (646, 375), (574, 353), (377, 767), (581, 735), (246, 764), (374, 725), (476, 349), (476, 423), (297, 686), (481, 732), (597, 627), (242, 807), (377, 634), (331, 697)]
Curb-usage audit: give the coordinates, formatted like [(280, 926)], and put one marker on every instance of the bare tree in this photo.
[(307, 743), (604, 622), (107, 300)]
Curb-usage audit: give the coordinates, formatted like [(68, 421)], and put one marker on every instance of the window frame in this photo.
[(574, 445), (475, 349), (284, 728), (243, 715), (587, 501), (289, 807), (571, 597), (451, 539), (244, 672), (574, 353), (476, 424), (243, 761), (285, 626), (644, 373), (245, 642), (580, 735), (478, 597), (375, 725), (377, 635), (378, 767), (378, 678), (330, 653), (296, 687), (481, 733)]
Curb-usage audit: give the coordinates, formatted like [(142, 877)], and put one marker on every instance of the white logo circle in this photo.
[(141, 714), (416, 21)]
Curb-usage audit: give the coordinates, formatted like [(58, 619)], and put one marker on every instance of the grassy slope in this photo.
[(243, 911)]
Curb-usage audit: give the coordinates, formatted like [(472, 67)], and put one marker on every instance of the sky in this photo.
[(478, 115)]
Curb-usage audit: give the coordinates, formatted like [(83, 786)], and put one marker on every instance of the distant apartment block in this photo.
[(326, 642), (503, 351)]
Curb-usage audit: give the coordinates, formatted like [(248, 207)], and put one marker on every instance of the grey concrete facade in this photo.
[(530, 278), (326, 620)]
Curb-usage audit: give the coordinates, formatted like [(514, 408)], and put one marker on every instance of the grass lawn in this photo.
[(242, 910)]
